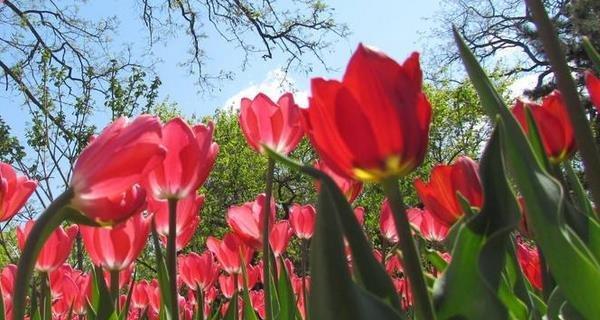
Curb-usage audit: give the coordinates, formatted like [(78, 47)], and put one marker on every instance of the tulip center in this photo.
[(392, 167)]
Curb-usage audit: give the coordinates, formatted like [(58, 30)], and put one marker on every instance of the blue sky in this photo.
[(395, 27)]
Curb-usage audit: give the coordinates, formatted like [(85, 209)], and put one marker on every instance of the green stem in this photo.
[(304, 273), (114, 287), (410, 256), (49, 220), (45, 305), (265, 239), (199, 303), (583, 133), (172, 257)]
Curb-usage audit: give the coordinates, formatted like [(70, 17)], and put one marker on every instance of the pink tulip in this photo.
[(191, 154), (246, 220), (70, 289), (431, 228), (359, 213), (139, 296), (198, 272), (350, 187), (280, 237), (230, 252), (55, 250), (7, 285), (188, 218), (387, 226), (107, 172), (117, 247), (276, 125), (15, 189), (302, 219), (257, 299)]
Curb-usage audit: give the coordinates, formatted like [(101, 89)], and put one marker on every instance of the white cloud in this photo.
[(273, 85)]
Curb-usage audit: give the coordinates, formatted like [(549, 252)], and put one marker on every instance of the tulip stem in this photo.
[(45, 309), (199, 303), (49, 220), (304, 269), (114, 287), (583, 133), (172, 257), (410, 257), (265, 239)]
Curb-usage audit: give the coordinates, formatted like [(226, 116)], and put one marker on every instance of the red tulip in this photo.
[(280, 237), (15, 189), (106, 174), (387, 226), (154, 299), (71, 290), (227, 285), (257, 299), (529, 260), (139, 296), (403, 288), (350, 187), (198, 272), (275, 125), (7, 285), (552, 121), (230, 252), (188, 218), (116, 248), (440, 194), (359, 213), (55, 250), (191, 154), (432, 229), (374, 124), (246, 220), (593, 87), (302, 219)]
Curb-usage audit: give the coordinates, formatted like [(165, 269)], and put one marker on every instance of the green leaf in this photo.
[(105, 308), (249, 313), (232, 309), (472, 286), (369, 271), (571, 263), (592, 53), (163, 278), (285, 293), (580, 197)]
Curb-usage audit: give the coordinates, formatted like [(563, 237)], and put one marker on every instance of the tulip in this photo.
[(431, 229), (71, 290), (529, 260), (15, 189), (554, 126), (227, 285), (302, 220), (374, 124), (116, 248), (191, 154), (280, 237), (231, 252), (387, 227), (257, 299), (246, 220), (350, 187), (7, 284), (124, 277), (198, 272), (275, 125), (440, 194), (359, 213), (106, 174), (188, 218), (593, 86), (139, 296), (55, 250)]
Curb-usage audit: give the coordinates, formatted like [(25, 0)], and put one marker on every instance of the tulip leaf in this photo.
[(105, 308), (592, 52), (574, 267), (369, 271), (287, 299), (232, 308), (163, 278), (473, 285)]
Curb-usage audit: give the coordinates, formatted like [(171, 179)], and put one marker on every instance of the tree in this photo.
[(504, 28)]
